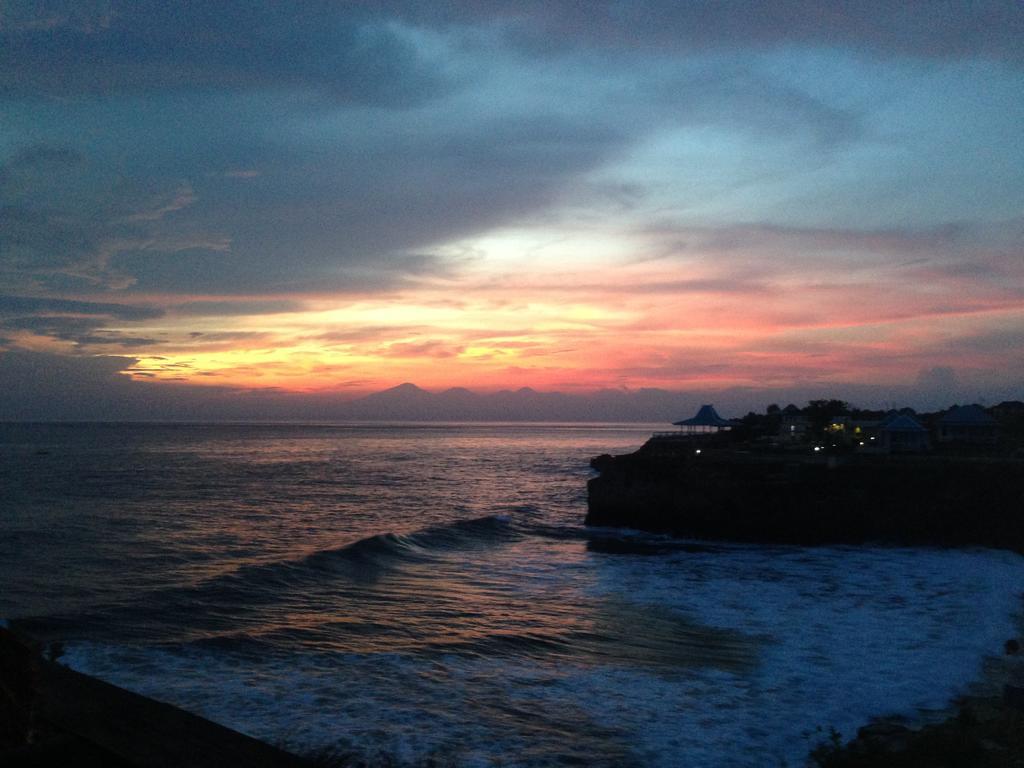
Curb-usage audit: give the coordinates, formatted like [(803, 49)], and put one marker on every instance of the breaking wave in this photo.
[(367, 557)]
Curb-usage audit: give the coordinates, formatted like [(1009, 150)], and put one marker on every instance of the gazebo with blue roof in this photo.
[(904, 434), (707, 421)]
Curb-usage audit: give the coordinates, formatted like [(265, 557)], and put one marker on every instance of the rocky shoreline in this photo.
[(981, 731), (983, 728), (710, 489)]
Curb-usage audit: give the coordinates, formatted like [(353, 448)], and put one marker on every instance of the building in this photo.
[(794, 424), (903, 434), (1008, 410), (838, 430), (968, 424), (707, 421)]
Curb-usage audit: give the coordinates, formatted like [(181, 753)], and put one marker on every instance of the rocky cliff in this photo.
[(729, 494)]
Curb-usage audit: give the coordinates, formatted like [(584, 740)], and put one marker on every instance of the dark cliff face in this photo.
[(730, 495), (53, 716)]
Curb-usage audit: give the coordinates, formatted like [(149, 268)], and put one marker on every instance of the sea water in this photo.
[(407, 593)]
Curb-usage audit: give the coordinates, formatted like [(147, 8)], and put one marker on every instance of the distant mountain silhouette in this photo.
[(401, 402), (51, 387), (408, 402)]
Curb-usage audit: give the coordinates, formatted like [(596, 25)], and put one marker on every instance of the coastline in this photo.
[(612, 570), (703, 490), (706, 489)]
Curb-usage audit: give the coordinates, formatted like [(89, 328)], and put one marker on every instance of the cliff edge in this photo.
[(701, 490)]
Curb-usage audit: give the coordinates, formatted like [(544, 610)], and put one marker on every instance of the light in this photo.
[(861, 442), (817, 448), (697, 451)]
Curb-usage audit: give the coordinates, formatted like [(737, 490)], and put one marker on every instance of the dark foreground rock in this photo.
[(53, 716), (728, 494), (984, 729), (984, 733)]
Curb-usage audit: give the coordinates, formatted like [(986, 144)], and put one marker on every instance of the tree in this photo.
[(820, 412)]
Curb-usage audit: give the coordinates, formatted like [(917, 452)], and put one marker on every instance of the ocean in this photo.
[(416, 594)]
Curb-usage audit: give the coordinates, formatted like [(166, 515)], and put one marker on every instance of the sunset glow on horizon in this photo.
[(551, 199)]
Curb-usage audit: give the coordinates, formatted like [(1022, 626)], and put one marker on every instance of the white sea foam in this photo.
[(840, 635), (849, 634)]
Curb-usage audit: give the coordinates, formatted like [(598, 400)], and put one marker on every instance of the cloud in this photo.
[(81, 331), (216, 336), (952, 29), (940, 377), (136, 46), (33, 157), (363, 218), (741, 237), (988, 254), (369, 53), (82, 323), (368, 333), (62, 223), (46, 386), (34, 304), (199, 270), (225, 308), (334, 197), (431, 348), (635, 189), (736, 96)]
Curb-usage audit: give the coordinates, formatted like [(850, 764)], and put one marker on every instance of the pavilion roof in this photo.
[(706, 417), (903, 423), (967, 415)]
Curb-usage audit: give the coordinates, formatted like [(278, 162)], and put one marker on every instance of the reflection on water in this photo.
[(429, 591)]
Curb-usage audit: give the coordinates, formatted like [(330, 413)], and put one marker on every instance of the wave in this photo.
[(385, 549), (625, 541), (232, 601), (361, 561)]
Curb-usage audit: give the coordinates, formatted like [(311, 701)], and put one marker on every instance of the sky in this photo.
[(334, 198)]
